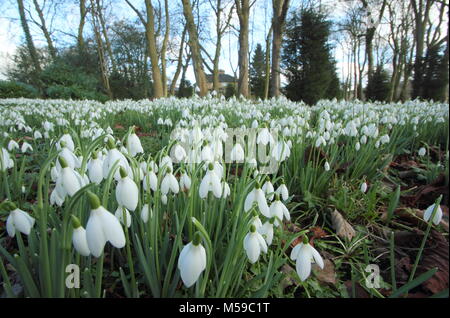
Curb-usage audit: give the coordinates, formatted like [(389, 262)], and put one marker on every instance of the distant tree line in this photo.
[(120, 58)]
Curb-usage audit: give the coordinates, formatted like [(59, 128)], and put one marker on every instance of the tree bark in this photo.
[(267, 75), (243, 11), (194, 44), (105, 35), (80, 38), (101, 52), (173, 84), (43, 27), (164, 48), (280, 8), (28, 38)]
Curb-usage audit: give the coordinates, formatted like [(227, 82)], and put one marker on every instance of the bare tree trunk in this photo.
[(179, 63), (267, 77), (105, 35), (280, 8), (370, 34), (101, 52), (80, 39), (28, 38), (243, 11), (43, 27), (421, 16), (149, 25), (195, 48), (164, 48)]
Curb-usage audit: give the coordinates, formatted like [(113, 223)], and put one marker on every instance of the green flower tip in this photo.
[(94, 201), (62, 143), (75, 222), (62, 162), (123, 173), (305, 239), (252, 228), (197, 239), (110, 144), (211, 166), (9, 206)]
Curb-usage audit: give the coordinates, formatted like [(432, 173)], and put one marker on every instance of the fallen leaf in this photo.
[(342, 227), (327, 274), (287, 281)]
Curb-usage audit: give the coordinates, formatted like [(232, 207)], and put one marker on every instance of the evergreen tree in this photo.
[(378, 88), (258, 72), (435, 75), (307, 58)]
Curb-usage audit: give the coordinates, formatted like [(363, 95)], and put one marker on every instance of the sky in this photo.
[(11, 34)]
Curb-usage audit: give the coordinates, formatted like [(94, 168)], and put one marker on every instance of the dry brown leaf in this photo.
[(327, 274), (342, 227)]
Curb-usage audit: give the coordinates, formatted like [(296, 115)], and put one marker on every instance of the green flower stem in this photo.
[(424, 240)]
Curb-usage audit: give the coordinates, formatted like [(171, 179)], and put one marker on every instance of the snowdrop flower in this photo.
[(185, 182), (150, 181), (256, 221), (95, 169), (72, 160), (237, 153), (164, 199), (18, 220), (257, 195), (68, 142), (112, 157), (68, 179), (278, 210), (192, 261), (207, 154), (437, 216), (5, 160), (12, 144), (119, 214), (266, 230), (127, 192), (363, 139), (254, 243), (281, 151), (79, 238), (384, 139), (25, 147), (304, 254), (210, 182), (320, 141), (102, 227), (282, 191), (226, 190), (422, 152), (357, 146), (37, 134), (56, 197), (169, 183), (363, 187), (146, 212), (166, 162), (268, 189), (264, 137), (327, 166), (134, 144), (178, 153)]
